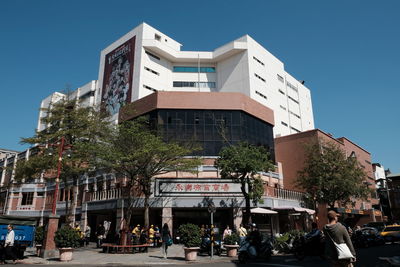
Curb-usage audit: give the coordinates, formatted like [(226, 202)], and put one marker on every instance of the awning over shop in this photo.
[(263, 211), (297, 209)]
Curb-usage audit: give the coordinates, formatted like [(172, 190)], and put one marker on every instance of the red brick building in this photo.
[(290, 151)]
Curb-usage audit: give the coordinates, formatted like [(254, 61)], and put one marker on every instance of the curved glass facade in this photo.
[(212, 129)]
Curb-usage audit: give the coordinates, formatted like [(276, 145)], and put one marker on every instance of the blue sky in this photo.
[(346, 51)]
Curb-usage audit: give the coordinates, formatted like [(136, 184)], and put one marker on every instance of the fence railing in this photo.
[(105, 194)]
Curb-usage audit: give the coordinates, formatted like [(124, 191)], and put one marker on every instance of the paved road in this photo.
[(367, 257)]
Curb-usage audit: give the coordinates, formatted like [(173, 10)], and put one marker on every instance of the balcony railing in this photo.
[(105, 194), (286, 194)]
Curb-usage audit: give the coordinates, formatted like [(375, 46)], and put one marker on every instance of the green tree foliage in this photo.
[(137, 152), (190, 235), (241, 163), (80, 127), (329, 176), (67, 237)]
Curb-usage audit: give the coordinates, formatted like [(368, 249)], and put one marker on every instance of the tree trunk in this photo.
[(246, 217), (146, 211)]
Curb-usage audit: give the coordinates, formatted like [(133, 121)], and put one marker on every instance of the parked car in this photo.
[(391, 233), (366, 237), (378, 225), (24, 229)]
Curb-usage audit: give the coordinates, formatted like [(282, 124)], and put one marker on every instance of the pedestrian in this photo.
[(334, 231), (136, 234), (242, 233), (156, 236), (166, 239), (151, 234), (227, 232), (9, 246), (100, 234), (87, 234)]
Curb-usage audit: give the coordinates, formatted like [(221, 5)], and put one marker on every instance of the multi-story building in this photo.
[(290, 151), (239, 86), (145, 60)]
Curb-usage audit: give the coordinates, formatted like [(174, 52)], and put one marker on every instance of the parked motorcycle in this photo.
[(248, 250), (205, 246), (313, 246)]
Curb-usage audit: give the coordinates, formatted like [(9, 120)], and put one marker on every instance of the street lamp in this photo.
[(211, 210)]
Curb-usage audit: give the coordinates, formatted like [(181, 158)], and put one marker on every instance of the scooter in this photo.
[(249, 251), (205, 246)]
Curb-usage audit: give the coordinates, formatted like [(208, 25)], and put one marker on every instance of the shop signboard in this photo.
[(197, 187)]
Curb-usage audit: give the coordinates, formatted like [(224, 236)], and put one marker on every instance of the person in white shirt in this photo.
[(9, 245), (227, 232)]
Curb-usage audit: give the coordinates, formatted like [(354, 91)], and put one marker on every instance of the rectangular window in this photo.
[(40, 194), (193, 69), (280, 78), (282, 92), (259, 77), (294, 129), (27, 198), (282, 107), (157, 37), (260, 94), (284, 123), (149, 88), (152, 55), (294, 114), (194, 84), (259, 61), (152, 71), (291, 86), (294, 100)]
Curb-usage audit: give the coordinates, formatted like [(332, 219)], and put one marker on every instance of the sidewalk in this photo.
[(92, 256)]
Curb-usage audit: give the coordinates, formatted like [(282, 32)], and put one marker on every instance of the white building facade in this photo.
[(146, 60)]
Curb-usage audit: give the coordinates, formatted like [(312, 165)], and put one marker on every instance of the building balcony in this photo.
[(114, 193)]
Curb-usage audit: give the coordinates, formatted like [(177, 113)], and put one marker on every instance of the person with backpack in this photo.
[(166, 239)]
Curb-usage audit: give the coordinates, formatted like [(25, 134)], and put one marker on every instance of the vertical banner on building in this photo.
[(117, 78)]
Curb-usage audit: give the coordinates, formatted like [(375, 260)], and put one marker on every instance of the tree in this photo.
[(138, 153), (241, 163), (329, 176), (81, 128)]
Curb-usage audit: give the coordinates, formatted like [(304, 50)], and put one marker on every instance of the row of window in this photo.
[(152, 55), (193, 69), (294, 129), (280, 78), (259, 77), (294, 114), (260, 94), (152, 71), (259, 61), (291, 86), (194, 84), (149, 88), (294, 100)]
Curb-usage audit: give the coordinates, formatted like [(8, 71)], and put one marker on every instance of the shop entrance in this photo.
[(200, 216)]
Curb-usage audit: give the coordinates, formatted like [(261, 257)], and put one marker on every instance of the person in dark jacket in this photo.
[(166, 236), (100, 234), (336, 231)]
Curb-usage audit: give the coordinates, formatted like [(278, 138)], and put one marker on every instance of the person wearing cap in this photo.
[(336, 231), (136, 234)]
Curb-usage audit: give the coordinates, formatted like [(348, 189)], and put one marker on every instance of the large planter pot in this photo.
[(231, 250), (191, 253), (39, 250), (65, 254)]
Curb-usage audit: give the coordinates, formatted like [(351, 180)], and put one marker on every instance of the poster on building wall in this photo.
[(117, 78)]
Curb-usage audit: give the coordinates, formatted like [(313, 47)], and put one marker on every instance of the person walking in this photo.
[(166, 236), (87, 234), (100, 233), (334, 231), (9, 246)]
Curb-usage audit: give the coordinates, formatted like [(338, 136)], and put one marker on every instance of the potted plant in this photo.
[(190, 236), (66, 239), (39, 237), (231, 244)]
